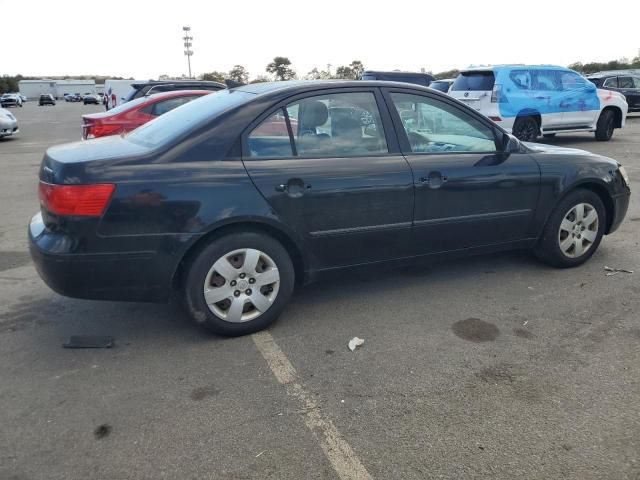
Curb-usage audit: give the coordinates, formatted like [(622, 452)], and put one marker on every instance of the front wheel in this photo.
[(605, 126), (526, 129), (574, 230), (239, 283)]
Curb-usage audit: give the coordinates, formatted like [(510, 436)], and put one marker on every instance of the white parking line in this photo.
[(337, 450)]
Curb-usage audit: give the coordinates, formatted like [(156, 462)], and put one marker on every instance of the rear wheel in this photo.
[(239, 283), (574, 230), (526, 129), (605, 126)]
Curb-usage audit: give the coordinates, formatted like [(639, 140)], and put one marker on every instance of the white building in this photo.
[(34, 88)]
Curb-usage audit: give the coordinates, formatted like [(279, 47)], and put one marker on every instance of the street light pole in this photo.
[(188, 39)]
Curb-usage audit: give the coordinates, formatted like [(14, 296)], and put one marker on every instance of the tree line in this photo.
[(280, 69)]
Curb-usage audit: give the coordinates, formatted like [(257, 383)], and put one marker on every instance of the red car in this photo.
[(129, 116)]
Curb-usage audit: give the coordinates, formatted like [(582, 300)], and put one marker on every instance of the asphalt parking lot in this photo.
[(491, 367)]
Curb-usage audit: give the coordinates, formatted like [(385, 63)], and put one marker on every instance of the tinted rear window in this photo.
[(442, 86), (474, 81)]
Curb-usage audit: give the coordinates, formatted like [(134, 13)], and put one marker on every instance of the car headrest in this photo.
[(316, 113)]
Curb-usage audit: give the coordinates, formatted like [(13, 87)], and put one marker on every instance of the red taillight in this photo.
[(79, 200), (95, 130)]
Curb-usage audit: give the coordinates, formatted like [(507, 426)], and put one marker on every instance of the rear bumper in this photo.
[(126, 276)]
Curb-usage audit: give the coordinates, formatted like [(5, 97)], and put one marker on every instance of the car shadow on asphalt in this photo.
[(425, 275)]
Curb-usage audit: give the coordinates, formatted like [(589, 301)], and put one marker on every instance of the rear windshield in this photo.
[(442, 86), (474, 81), (179, 121)]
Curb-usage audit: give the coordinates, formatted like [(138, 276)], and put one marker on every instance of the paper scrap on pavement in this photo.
[(355, 342)]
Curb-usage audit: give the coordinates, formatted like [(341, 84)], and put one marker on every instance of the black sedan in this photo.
[(233, 198)]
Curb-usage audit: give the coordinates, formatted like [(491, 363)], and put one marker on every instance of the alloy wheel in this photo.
[(241, 285), (578, 230)]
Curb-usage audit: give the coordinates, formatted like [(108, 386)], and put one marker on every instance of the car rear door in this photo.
[(468, 193), (330, 169)]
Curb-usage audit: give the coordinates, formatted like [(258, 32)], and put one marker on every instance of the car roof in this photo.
[(177, 93), (301, 86), (510, 66), (178, 82)]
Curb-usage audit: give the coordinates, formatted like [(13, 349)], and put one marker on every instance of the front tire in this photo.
[(574, 230), (526, 129), (605, 126), (239, 283)]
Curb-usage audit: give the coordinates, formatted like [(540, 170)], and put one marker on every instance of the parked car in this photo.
[(91, 99), (46, 99), (540, 99), (8, 123), (131, 115), (204, 202), (627, 85), (10, 100), (142, 89), (417, 78), (442, 85)]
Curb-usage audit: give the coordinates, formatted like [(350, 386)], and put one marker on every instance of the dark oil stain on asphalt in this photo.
[(522, 333), (329, 352), (475, 330), (9, 260), (102, 431), (201, 393)]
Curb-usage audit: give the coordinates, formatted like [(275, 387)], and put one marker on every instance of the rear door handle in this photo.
[(434, 179), (295, 187)]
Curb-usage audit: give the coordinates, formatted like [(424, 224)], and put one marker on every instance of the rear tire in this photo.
[(526, 129), (242, 296), (573, 231), (605, 126)]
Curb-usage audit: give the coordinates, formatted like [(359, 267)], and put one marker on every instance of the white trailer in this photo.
[(117, 91)]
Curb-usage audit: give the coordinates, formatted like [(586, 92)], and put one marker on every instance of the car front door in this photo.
[(580, 101), (330, 170), (630, 88), (468, 193)]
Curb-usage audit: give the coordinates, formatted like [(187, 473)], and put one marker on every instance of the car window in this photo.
[(337, 125), (271, 138), (625, 82), (611, 82), (546, 80), (165, 106), (433, 126), (636, 82), (472, 81), (571, 81), (521, 79)]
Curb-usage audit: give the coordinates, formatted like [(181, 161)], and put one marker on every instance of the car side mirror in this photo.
[(510, 144)]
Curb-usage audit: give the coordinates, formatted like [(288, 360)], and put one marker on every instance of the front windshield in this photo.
[(180, 120)]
